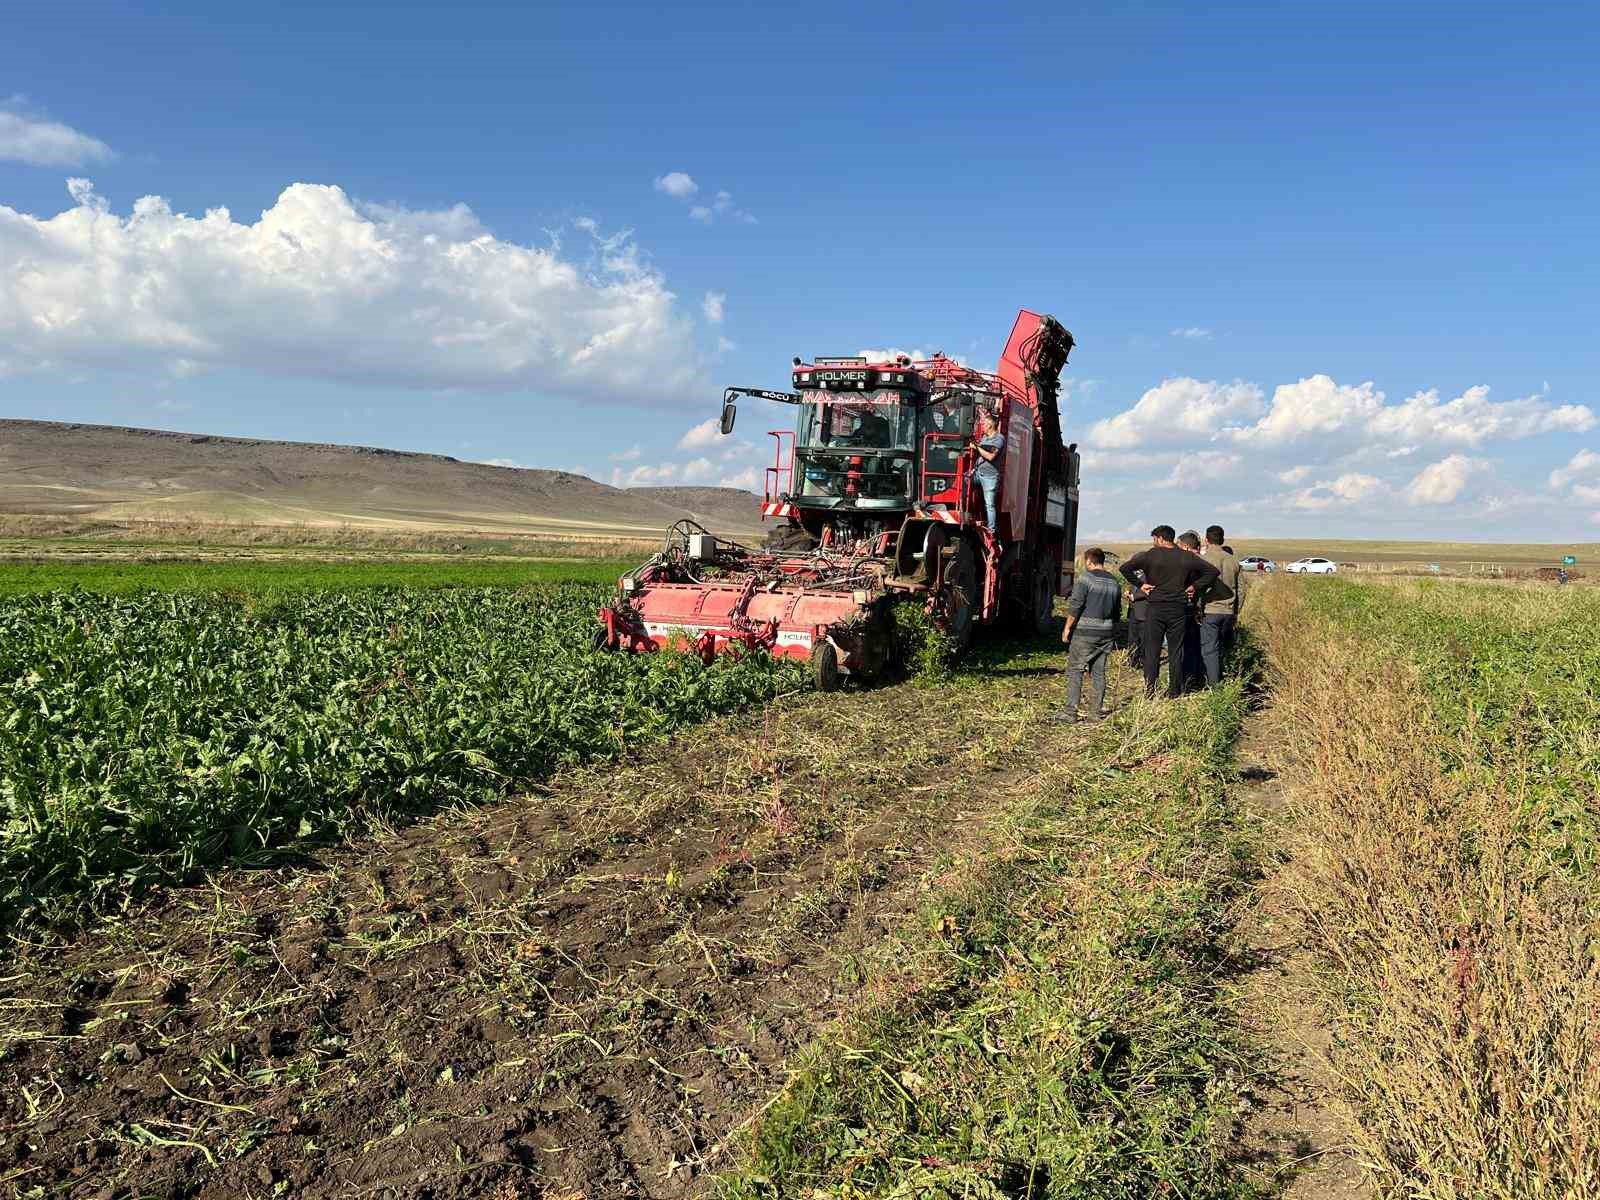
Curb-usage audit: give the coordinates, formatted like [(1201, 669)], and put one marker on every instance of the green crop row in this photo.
[(147, 737), (280, 574)]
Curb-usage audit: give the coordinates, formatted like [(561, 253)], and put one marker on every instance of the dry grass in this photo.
[(1459, 947)]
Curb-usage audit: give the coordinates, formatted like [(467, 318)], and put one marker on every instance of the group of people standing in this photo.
[(1184, 595)]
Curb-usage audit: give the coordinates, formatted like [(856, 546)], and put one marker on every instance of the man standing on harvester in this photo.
[(990, 447), (1168, 573)]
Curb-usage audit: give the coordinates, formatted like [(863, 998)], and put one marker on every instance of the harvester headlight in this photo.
[(629, 584), (859, 596)]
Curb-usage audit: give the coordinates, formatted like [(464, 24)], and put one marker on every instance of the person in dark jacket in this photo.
[(1136, 606), (1194, 671), (1169, 573), (1090, 633)]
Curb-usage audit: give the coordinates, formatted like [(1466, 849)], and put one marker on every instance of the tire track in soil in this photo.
[(576, 993), (1300, 1134)]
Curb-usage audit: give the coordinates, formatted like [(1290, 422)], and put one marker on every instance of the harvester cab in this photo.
[(874, 501)]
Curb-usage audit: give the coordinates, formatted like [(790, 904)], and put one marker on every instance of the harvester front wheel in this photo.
[(825, 667), (959, 597)]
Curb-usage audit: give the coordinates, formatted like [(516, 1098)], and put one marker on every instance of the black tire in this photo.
[(877, 646), (1042, 596), (825, 667), (961, 597)]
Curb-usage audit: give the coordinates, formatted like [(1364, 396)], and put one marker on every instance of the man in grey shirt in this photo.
[(1092, 613)]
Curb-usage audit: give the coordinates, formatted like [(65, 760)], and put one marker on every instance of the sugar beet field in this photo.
[(320, 884)]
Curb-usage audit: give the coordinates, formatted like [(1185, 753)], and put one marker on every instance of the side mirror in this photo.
[(729, 412)]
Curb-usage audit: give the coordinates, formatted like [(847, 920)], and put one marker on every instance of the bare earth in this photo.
[(1300, 1134)]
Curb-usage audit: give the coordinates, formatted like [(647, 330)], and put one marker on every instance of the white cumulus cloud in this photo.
[(1180, 409), (1582, 465), (29, 138), (698, 469), (715, 306), (1346, 489), (319, 286), (678, 184), (1203, 466), (1318, 407), (1294, 474), (698, 437), (645, 475), (1444, 481), (1193, 333), (1472, 419), (1312, 406)]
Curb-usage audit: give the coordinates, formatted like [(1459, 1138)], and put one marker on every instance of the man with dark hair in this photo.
[(1092, 612), (1194, 671), (1219, 612), (1136, 606), (1168, 573)]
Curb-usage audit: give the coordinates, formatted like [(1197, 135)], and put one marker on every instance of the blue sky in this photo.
[(1275, 231)]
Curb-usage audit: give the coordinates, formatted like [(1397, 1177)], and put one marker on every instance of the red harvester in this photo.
[(876, 505)]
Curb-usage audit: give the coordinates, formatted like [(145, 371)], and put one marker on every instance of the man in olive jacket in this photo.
[(1221, 605)]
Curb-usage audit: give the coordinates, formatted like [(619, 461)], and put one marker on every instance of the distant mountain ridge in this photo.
[(121, 473)]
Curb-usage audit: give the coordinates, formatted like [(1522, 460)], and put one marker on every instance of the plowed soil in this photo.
[(579, 992)]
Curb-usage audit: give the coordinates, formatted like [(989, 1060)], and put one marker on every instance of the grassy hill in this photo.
[(111, 474)]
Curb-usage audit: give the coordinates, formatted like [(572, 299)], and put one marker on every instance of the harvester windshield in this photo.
[(857, 424), (856, 452)]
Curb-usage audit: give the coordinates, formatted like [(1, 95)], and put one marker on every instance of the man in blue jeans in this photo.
[(1221, 605), (1092, 613)]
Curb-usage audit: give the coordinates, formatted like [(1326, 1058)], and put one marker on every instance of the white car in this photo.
[(1252, 562), (1312, 566)]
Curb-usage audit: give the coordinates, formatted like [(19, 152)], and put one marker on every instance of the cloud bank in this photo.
[(1319, 448), (321, 286)]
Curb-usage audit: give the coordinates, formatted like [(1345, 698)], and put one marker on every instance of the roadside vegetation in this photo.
[(145, 737), (1442, 743), (1047, 1024)]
